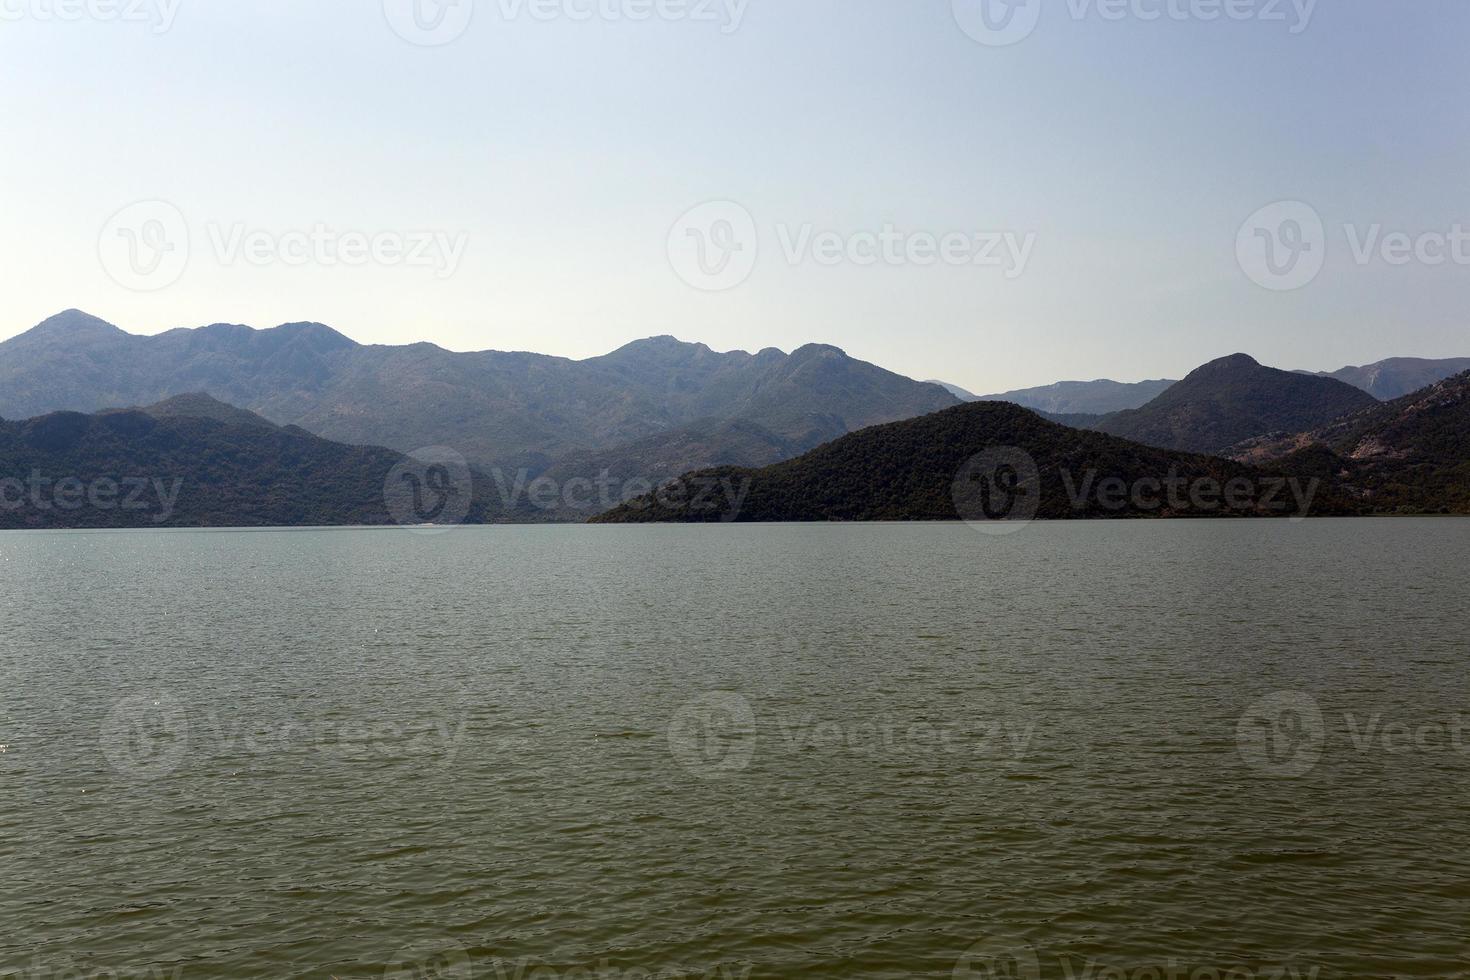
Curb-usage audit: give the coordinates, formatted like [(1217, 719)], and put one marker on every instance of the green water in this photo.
[(1140, 750)]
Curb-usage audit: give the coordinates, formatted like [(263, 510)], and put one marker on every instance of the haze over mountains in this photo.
[(1083, 397), (1384, 380), (269, 426), (663, 398), (1399, 376)]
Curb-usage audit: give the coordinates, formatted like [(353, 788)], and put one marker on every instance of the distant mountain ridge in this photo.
[(1232, 399), (927, 469), (503, 409), (1410, 455), (1083, 397), (195, 462), (1398, 376)]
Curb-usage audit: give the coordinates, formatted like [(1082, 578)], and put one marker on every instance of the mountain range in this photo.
[(195, 462), (974, 462), (1231, 399), (675, 405), (1070, 400), (1410, 455), (1082, 397), (299, 424), (1399, 376)]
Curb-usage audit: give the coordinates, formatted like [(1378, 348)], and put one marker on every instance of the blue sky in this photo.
[(536, 164)]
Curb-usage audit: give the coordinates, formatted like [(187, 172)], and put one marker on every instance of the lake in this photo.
[(1114, 750)]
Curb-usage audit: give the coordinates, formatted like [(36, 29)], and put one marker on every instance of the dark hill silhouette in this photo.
[(1233, 399), (931, 468)]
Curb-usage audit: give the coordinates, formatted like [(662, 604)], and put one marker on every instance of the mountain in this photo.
[(1410, 455), (1083, 397), (194, 462), (1233, 399), (985, 458), (957, 391), (200, 406), (1399, 376), (497, 409)]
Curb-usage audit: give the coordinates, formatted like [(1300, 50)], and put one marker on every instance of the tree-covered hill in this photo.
[(985, 460)]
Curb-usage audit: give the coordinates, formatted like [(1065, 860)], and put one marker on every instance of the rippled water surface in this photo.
[(848, 751)]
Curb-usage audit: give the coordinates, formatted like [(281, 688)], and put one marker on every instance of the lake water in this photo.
[(1112, 750)]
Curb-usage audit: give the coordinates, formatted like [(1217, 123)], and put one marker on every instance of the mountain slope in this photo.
[(960, 393), (511, 409), (1084, 397), (1410, 455), (1233, 399), (1399, 376), (190, 463), (933, 468)]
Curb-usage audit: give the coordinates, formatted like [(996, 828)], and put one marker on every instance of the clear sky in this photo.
[(551, 148)]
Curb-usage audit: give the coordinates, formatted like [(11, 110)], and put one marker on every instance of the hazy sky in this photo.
[(524, 185)]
